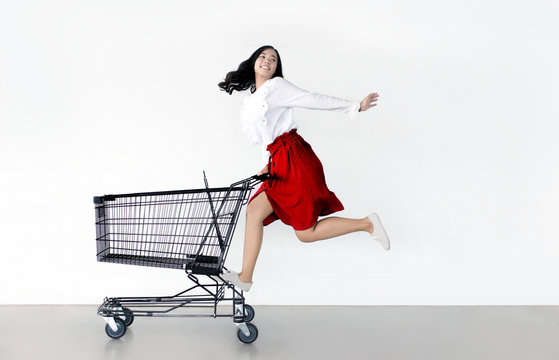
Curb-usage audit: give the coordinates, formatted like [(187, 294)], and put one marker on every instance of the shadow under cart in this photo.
[(189, 230)]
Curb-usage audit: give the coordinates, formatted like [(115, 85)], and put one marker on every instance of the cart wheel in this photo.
[(121, 329), (248, 339), (249, 313), (128, 316)]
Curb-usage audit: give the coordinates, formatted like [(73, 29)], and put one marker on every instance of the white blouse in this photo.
[(268, 112)]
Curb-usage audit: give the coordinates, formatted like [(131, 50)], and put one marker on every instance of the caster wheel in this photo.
[(121, 329), (128, 316), (249, 313), (251, 337)]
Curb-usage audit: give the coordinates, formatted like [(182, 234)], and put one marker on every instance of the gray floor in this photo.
[(290, 332)]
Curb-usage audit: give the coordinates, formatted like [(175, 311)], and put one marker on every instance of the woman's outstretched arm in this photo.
[(285, 94)]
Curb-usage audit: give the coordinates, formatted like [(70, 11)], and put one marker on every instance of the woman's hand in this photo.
[(368, 102), (263, 171)]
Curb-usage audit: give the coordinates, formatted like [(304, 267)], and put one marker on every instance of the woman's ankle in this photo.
[(244, 279), (369, 225)]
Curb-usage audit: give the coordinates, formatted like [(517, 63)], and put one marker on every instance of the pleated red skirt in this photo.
[(297, 190)]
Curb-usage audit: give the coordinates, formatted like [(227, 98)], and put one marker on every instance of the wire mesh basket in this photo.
[(185, 229)]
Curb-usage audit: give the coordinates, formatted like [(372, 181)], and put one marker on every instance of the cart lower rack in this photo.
[(189, 230)]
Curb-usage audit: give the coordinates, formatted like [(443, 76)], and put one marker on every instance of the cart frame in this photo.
[(158, 229)]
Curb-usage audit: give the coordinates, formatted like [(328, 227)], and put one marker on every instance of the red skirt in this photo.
[(297, 190)]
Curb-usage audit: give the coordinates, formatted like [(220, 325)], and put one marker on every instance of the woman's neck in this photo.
[(259, 80)]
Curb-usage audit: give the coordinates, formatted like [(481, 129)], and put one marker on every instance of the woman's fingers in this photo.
[(369, 101)]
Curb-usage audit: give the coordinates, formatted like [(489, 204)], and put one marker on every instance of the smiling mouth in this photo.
[(265, 68)]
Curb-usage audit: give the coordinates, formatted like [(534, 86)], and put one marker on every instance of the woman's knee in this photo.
[(258, 209), (252, 211), (305, 235)]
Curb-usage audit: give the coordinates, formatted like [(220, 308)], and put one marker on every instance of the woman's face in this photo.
[(266, 64)]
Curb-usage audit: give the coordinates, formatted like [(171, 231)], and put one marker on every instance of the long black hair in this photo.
[(243, 77)]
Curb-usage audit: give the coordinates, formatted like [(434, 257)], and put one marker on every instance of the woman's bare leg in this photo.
[(332, 227), (258, 210)]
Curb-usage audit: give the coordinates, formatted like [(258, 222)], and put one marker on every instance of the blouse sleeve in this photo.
[(285, 94)]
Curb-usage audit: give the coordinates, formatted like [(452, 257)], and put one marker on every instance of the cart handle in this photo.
[(254, 179), (262, 177)]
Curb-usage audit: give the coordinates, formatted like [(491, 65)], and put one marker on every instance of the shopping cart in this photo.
[(188, 230)]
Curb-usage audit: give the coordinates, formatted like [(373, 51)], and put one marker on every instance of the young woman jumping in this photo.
[(296, 193)]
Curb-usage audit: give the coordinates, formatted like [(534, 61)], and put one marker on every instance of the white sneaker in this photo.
[(233, 278), (378, 232)]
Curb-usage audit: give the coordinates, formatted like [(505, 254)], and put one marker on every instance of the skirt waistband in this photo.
[(281, 140)]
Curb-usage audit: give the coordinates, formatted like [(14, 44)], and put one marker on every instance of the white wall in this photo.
[(459, 158)]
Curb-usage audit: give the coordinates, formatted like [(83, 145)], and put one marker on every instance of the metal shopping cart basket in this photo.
[(188, 230)]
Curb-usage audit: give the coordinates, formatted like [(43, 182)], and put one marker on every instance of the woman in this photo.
[(296, 193)]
